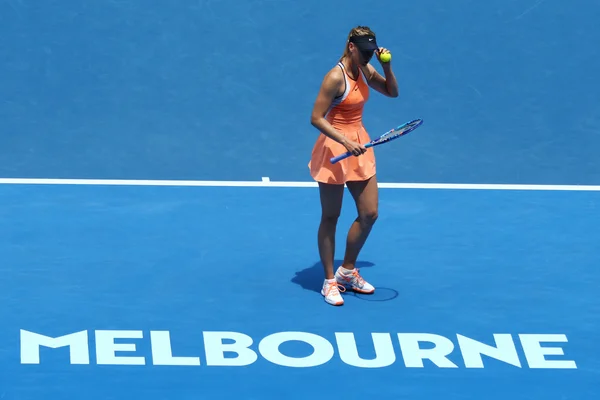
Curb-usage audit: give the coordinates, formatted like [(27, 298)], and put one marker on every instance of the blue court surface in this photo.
[(158, 225)]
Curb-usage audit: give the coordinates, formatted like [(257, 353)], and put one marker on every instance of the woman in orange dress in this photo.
[(337, 114)]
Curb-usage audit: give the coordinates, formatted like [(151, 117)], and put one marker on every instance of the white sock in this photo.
[(346, 271)]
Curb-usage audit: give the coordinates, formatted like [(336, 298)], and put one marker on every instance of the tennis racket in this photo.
[(386, 137)]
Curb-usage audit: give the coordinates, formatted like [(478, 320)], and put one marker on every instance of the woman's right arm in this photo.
[(327, 93)]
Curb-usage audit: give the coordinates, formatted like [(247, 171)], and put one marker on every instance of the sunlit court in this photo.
[(159, 221)]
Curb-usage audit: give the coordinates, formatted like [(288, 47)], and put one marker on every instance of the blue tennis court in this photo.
[(158, 224)]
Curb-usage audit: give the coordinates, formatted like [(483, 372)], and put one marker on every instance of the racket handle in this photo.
[(333, 160), (347, 154)]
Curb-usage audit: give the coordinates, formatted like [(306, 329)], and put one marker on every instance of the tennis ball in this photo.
[(385, 57)]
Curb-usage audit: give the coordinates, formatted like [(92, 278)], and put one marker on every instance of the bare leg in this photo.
[(331, 206), (366, 196)]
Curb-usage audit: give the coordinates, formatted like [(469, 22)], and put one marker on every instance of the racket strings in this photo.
[(388, 136), (400, 131)]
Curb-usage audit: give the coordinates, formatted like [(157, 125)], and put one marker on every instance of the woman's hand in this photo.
[(353, 147)]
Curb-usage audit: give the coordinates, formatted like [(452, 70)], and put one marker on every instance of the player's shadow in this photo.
[(311, 278)]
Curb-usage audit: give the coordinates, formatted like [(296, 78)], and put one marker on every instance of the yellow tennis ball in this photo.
[(385, 57)]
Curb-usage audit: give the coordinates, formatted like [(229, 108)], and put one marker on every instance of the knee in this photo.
[(330, 219), (369, 217)]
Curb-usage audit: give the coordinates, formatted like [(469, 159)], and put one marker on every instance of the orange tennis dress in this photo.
[(345, 115)]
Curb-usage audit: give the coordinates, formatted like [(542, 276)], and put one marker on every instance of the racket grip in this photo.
[(347, 154), (335, 159)]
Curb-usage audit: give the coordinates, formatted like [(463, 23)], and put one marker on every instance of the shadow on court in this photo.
[(311, 278)]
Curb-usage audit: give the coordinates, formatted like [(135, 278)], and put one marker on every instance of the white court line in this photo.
[(266, 182)]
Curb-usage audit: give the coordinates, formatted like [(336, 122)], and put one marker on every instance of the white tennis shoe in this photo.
[(351, 279)]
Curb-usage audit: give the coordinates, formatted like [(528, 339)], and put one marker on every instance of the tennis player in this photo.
[(337, 114)]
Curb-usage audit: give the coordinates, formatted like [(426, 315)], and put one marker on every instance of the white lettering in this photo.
[(77, 343), (414, 355), (505, 350), (322, 349), (162, 354), (215, 349), (384, 350), (535, 353), (234, 349), (106, 348)]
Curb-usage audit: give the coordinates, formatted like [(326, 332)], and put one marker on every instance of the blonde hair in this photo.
[(355, 32)]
